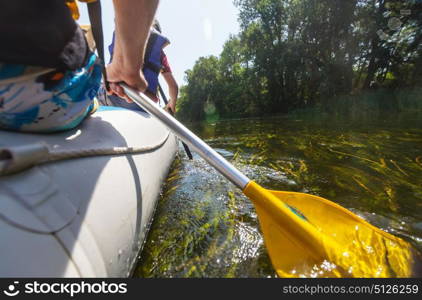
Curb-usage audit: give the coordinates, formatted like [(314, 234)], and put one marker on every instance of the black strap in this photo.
[(153, 67), (94, 11)]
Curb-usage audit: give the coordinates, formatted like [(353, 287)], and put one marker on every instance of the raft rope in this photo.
[(19, 158)]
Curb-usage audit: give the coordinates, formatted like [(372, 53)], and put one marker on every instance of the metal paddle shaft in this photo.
[(205, 151)]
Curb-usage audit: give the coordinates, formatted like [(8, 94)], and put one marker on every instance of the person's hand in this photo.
[(134, 78), (171, 105)]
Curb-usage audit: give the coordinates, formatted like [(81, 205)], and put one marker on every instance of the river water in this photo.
[(205, 227)]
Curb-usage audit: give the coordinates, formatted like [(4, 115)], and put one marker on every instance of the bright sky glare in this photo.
[(195, 28)]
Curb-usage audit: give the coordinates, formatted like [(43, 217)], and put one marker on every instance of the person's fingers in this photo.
[(172, 106), (112, 79), (127, 99), (113, 87), (116, 89), (134, 79), (119, 91), (169, 109)]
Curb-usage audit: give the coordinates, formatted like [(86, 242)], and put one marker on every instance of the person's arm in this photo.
[(133, 19), (171, 82), (173, 90)]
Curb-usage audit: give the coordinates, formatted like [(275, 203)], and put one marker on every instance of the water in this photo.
[(205, 227)]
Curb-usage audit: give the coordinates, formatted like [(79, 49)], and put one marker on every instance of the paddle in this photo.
[(163, 95), (305, 235)]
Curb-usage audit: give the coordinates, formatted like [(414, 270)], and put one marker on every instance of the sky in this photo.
[(195, 28)]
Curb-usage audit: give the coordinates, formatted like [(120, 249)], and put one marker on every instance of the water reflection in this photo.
[(204, 227)]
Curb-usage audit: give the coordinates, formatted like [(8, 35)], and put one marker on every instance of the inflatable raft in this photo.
[(79, 203)]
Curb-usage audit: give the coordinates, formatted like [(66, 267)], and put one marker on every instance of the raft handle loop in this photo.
[(19, 158)]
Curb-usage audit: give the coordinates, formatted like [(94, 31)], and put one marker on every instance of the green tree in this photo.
[(204, 87), (292, 54)]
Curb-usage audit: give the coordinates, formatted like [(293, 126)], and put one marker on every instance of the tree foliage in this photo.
[(292, 54)]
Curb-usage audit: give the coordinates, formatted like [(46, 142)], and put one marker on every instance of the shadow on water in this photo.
[(205, 227)]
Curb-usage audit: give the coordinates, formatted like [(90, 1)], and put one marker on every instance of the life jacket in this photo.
[(152, 60), (41, 33)]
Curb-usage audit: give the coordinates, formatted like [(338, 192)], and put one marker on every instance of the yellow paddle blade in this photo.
[(308, 236)]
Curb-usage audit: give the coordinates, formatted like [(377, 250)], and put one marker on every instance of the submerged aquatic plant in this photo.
[(205, 228)]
